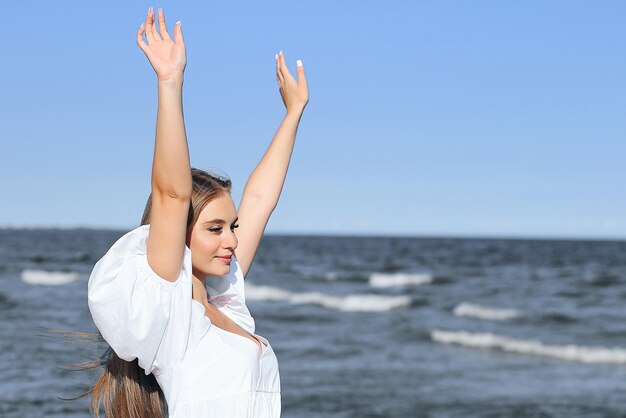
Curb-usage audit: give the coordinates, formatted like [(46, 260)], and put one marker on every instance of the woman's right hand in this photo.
[(166, 55)]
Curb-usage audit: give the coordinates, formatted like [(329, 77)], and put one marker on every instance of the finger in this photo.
[(279, 76), (284, 70), (162, 26), (148, 27), (178, 33), (281, 63), (142, 44), (155, 30), (300, 72)]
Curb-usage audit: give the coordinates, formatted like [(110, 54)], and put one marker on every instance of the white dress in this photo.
[(203, 370)]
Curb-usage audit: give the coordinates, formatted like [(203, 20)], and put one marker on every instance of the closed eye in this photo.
[(219, 228)]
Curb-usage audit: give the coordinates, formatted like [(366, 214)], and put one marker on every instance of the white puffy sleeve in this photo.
[(228, 294), (139, 314)]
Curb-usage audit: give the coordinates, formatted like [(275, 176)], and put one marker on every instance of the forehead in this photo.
[(222, 207)]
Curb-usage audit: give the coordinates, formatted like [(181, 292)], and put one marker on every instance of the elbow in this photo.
[(183, 194), (179, 195), (265, 202)]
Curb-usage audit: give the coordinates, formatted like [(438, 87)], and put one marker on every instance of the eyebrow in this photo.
[(218, 221)]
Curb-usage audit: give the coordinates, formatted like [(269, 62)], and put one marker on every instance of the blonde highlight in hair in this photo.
[(123, 388), (205, 188)]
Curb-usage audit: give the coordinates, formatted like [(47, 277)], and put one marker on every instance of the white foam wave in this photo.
[(483, 312), (257, 292), (352, 303), (530, 347), (399, 279), (50, 278), (349, 303), (331, 276)]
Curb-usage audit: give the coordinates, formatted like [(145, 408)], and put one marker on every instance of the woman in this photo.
[(168, 297)]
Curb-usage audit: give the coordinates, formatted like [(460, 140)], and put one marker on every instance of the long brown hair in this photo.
[(123, 388)]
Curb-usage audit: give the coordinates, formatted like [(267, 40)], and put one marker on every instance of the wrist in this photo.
[(172, 79), (295, 111)]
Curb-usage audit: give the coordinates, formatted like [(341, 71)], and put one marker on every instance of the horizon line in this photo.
[(363, 234)]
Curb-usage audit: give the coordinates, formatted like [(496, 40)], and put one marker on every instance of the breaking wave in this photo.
[(399, 279), (529, 347), (483, 312), (349, 303), (50, 278)]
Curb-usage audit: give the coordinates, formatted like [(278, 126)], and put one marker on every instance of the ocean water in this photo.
[(362, 327)]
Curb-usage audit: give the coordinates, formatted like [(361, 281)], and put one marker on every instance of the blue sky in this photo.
[(452, 118)]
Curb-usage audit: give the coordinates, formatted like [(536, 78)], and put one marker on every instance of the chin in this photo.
[(223, 270)]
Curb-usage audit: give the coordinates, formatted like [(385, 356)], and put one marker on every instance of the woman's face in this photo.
[(212, 240)]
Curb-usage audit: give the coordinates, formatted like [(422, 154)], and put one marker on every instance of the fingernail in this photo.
[(160, 10), (276, 56), (281, 52), (149, 9), (178, 23), (142, 25), (299, 63)]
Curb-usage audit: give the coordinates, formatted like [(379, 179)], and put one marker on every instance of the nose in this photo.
[(230, 241)]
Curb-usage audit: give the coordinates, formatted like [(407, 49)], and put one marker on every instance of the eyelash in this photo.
[(219, 228)]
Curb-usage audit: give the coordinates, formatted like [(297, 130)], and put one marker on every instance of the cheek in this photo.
[(204, 245)]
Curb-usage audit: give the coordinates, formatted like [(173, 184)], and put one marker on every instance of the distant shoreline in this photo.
[(352, 234)]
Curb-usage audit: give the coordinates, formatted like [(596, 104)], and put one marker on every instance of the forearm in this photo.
[(171, 171), (267, 179)]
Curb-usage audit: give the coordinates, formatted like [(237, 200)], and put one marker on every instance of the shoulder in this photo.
[(125, 263)]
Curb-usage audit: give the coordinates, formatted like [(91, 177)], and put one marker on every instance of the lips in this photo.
[(225, 258)]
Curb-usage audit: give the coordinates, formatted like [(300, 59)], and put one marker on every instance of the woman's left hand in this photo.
[(295, 93), (166, 55)]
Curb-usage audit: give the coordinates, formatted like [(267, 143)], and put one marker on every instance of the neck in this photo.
[(199, 289)]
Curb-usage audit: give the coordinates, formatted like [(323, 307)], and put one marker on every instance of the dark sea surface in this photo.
[(362, 327)]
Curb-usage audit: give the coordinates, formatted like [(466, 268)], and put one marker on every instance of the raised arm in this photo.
[(171, 171), (263, 188)]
